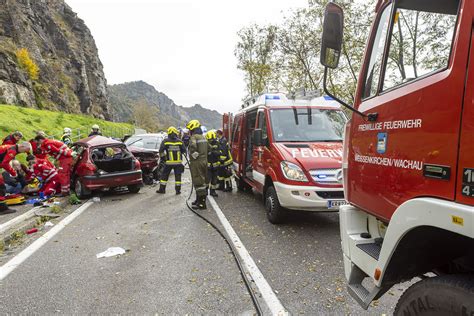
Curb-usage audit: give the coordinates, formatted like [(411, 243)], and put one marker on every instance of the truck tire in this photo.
[(442, 295), (80, 190), (134, 188), (275, 212)]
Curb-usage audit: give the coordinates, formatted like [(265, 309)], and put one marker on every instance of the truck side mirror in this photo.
[(257, 137), (333, 30)]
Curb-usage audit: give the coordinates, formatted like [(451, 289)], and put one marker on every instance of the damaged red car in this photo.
[(104, 164)]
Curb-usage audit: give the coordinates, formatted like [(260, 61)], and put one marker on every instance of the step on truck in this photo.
[(290, 150), (408, 162)]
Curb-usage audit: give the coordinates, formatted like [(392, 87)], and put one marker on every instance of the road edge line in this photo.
[(18, 219), (267, 293), (13, 263)]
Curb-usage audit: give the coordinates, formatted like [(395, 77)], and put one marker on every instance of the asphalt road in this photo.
[(177, 264)]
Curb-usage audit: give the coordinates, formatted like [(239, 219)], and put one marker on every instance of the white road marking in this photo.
[(268, 295), (11, 265)]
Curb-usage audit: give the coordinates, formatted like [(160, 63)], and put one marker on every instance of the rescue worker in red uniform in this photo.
[(13, 138), (171, 153), (63, 154), (7, 154), (49, 176)]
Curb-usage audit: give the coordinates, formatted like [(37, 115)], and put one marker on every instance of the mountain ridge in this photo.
[(124, 96)]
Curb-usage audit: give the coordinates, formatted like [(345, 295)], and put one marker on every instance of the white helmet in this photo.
[(67, 130), (95, 126)]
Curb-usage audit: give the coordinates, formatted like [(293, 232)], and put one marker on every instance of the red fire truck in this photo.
[(409, 156), (290, 151)]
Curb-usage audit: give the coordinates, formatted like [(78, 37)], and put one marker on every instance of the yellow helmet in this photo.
[(172, 130), (193, 124), (211, 135)]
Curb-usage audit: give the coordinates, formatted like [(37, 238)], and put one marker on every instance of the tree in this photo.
[(27, 64), (291, 61), (255, 56), (145, 116)]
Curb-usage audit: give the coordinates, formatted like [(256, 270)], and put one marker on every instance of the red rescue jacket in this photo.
[(9, 140), (44, 170), (7, 154), (56, 149)]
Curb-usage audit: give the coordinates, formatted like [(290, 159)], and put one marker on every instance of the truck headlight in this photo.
[(293, 172)]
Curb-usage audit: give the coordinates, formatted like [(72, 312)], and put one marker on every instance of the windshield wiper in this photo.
[(295, 113)]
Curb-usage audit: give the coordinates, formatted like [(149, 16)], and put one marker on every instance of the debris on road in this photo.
[(48, 224), (32, 230), (96, 199), (111, 252)]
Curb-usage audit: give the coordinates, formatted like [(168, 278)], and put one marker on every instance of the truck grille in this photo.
[(325, 176), (331, 195)]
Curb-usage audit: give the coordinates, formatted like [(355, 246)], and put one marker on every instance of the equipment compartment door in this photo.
[(465, 174)]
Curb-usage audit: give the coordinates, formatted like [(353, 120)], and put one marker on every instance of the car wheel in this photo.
[(442, 295), (80, 190), (148, 179), (135, 188), (275, 212)]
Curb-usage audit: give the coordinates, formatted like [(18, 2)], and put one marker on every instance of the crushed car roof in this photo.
[(97, 140)]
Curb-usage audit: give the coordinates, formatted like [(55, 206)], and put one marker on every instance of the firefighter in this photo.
[(225, 170), (7, 154), (51, 184), (64, 155), (171, 152), (186, 137), (95, 130), (13, 138), (213, 161), (66, 138), (198, 149)]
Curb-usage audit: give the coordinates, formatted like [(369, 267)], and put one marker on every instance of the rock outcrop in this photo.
[(124, 97), (54, 39)]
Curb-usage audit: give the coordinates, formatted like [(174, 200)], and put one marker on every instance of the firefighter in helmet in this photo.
[(225, 170), (95, 130), (66, 138), (213, 161), (198, 149), (171, 152)]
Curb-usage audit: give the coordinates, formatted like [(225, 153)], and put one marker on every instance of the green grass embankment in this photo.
[(28, 121)]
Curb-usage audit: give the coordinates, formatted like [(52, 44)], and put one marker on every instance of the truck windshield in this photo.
[(307, 125)]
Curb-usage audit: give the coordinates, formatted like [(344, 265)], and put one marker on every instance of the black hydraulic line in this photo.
[(232, 250)]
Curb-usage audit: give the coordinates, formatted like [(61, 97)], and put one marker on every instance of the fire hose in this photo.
[(232, 250)]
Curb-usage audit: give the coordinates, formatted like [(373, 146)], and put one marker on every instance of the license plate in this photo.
[(334, 205)]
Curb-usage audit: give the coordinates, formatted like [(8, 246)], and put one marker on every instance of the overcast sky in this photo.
[(185, 48)]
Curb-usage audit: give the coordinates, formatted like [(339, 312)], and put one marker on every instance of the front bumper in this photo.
[(111, 180), (305, 198)]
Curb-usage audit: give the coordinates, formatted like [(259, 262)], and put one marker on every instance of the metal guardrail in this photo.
[(83, 132)]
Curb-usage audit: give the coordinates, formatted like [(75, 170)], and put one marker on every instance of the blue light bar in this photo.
[(272, 97), (328, 98)]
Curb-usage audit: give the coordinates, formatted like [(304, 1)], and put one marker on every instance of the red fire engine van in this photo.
[(409, 156), (290, 151)]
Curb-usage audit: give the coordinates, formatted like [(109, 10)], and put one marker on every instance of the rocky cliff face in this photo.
[(123, 98), (53, 38)]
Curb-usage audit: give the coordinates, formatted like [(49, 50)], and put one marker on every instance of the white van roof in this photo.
[(281, 99)]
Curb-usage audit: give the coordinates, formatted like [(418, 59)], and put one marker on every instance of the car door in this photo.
[(410, 150), (260, 153)]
